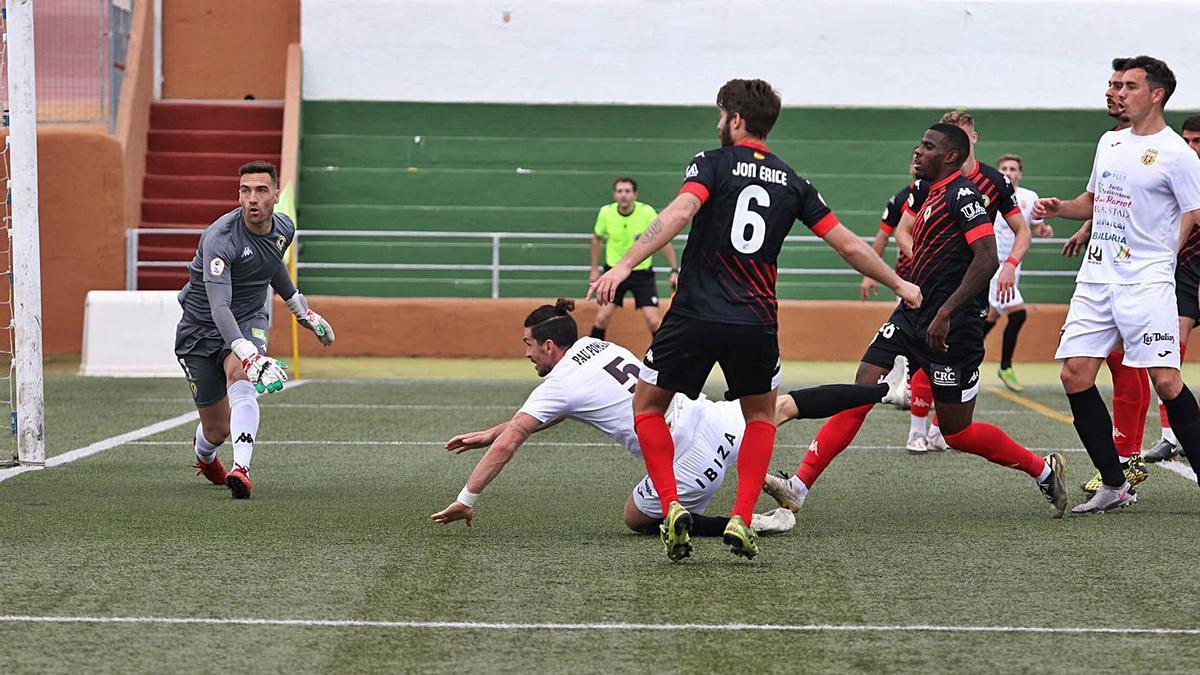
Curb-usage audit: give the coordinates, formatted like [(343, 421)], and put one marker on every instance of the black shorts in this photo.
[(1186, 289), (684, 349), (643, 286), (201, 353), (953, 375)]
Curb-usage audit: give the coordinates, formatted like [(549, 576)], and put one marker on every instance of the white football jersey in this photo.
[(1004, 234), (1142, 184)]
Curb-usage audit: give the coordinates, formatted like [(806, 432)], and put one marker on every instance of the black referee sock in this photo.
[(1184, 416), (817, 403), (598, 333), (1011, 329), (1094, 426), (708, 526)]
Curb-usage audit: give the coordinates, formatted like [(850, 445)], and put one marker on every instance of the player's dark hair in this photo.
[(1191, 124), (625, 179), (260, 166), (1009, 157), (1158, 75), (554, 323), (755, 100), (1120, 63), (956, 137)]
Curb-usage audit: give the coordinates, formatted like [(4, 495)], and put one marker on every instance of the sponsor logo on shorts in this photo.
[(945, 377), (1164, 353), (1150, 338), (258, 333), (974, 378), (649, 357)]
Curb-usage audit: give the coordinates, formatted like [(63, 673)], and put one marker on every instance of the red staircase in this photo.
[(194, 151)]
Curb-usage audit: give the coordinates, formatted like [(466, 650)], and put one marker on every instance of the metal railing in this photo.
[(496, 267)]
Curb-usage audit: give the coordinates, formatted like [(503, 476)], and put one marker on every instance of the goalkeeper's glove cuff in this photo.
[(298, 305), (243, 349)]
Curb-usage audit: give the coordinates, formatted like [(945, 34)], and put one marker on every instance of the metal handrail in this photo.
[(133, 264)]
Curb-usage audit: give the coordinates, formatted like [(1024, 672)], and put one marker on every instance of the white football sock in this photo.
[(934, 429), (1169, 436), (917, 424), (799, 485), (243, 421), (205, 452), (1044, 474)]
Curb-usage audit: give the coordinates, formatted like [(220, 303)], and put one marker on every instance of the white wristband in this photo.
[(467, 498), (298, 304)]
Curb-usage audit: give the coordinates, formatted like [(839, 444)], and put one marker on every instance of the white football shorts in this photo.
[(1143, 316), (703, 453), (994, 296)]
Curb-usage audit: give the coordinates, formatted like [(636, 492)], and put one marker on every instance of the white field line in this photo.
[(126, 438), (1179, 468), (615, 626)]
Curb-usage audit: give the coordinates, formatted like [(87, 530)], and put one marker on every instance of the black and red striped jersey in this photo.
[(749, 201), (951, 218), (891, 219), (1187, 262), (999, 195)]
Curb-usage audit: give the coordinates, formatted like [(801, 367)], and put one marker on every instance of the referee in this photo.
[(620, 224)]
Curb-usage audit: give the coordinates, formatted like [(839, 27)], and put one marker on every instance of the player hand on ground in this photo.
[(470, 441), (867, 288), (910, 293), (1046, 207), (1006, 283), (456, 511), (935, 336), (604, 289), (265, 373)]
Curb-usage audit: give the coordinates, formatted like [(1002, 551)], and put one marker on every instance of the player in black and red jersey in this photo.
[(1187, 296), (742, 201), (954, 258)]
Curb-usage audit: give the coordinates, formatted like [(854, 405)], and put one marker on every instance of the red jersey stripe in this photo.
[(884, 227), (978, 232), (824, 225), (697, 189)]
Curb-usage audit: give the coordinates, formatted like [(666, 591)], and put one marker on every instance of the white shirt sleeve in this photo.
[(1185, 181), (1091, 186), (1033, 197), (548, 402)]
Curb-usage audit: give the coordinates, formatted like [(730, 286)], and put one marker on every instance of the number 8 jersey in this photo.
[(749, 200)]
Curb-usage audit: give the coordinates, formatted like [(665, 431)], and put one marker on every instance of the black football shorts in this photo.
[(953, 375), (643, 286), (684, 350)]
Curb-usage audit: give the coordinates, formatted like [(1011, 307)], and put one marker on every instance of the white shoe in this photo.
[(780, 488), (1107, 499), (897, 382), (937, 442), (917, 444), (775, 521)]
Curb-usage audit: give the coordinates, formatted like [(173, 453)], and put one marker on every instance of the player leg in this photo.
[(645, 298), (1186, 297), (920, 397), (827, 400), (243, 410), (1014, 309), (207, 382), (1088, 337), (603, 316)]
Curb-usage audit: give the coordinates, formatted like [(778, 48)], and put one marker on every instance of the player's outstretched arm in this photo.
[(1079, 208), (281, 281), (904, 238), (974, 282), (670, 222), (490, 465), (860, 256), (1007, 281), (869, 287)]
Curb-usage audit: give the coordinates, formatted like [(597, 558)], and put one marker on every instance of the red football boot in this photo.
[(239, 483), (215, 472)]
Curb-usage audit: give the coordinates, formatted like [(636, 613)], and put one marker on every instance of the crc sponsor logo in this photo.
[(1151, 338), (973, 210), (945, 377)]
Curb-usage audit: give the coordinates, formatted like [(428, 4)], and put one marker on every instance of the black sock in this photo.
[(1185, 421), (1094, 426), (1011, 329), (708, 526), (598, 333), (817, 403), (988, 326)]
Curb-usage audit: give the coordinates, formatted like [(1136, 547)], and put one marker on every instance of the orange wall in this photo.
[(225, 49), (81, 220), (821, 331)]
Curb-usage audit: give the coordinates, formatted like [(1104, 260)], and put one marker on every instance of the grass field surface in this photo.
[(123, 561)]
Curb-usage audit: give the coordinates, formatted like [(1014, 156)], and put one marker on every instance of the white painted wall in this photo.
[(937, 53)]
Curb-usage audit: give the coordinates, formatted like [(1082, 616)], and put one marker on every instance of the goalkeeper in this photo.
[(221, 341)]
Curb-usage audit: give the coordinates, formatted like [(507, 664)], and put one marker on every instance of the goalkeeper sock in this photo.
[(205, 452), (243, 422)]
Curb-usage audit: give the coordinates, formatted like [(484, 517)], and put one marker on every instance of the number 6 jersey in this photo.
[(749, 200)]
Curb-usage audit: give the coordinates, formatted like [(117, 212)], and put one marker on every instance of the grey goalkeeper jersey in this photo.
[(231, 255)]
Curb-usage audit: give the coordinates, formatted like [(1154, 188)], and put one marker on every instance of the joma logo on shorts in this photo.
[(1149, 338)]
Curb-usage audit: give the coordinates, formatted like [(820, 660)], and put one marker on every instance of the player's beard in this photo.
[(725, 137)]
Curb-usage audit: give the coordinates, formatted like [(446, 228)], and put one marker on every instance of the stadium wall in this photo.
[(923, 53), (484, 328), (226, 49)]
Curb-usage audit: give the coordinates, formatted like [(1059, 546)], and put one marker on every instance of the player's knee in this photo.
[(1167, 382), (638, 521), (216, 432), (1075, 378)]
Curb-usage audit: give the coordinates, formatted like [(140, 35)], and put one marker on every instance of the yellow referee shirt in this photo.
[(621, 231)]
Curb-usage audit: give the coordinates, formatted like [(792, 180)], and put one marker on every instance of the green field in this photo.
[(898, 563)]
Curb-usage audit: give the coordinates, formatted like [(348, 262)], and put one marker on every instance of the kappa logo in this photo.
[(245, 438), (945, 377), (649, 357), (247, 252), (974, 377), (964, 192), (973, 210), (692, 171), (812, 447)]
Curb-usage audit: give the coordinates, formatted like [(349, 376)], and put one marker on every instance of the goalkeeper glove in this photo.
[(264, 372), (310, 319)]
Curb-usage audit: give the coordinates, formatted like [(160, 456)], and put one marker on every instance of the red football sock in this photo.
[(920, 394), (754, 458), (658, 450), (1162, 409), (1127, 398), (1143, 410), (992, 444), (834, 436)]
